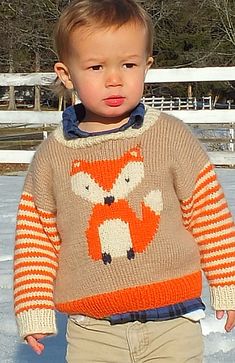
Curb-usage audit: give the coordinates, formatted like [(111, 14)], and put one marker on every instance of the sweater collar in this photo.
[(151, 115), (74, 114)]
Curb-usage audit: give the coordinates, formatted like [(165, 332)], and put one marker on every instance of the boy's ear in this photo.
[(63, 74), (149, 63)]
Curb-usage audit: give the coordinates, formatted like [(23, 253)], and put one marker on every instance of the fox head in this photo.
[(106, 181)]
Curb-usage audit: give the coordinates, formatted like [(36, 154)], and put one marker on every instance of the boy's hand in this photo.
[(230, 322), (33, 341)]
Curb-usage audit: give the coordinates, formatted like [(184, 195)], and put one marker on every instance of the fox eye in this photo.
[(87, 187), (127, 180)]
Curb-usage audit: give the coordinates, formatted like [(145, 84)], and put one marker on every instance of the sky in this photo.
[(219, 345)]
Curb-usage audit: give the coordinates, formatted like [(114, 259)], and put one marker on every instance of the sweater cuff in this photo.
[(36, 321), (223, 298)]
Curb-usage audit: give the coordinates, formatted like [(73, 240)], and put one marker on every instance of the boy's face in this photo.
[(107, 69)]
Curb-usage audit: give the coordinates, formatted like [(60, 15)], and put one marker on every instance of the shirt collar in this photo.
[(74, 114)]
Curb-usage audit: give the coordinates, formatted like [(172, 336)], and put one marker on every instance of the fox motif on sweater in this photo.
[(114, 230)]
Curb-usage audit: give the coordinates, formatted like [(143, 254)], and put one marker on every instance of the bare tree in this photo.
[(225, 10), (8, 18)]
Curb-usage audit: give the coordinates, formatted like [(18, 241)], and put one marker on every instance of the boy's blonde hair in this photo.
[(100, 14)]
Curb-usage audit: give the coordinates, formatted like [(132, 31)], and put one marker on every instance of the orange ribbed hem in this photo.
[(136, 298)]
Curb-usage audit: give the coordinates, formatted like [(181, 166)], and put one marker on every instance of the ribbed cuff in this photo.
[(36, 321), (223, 298)]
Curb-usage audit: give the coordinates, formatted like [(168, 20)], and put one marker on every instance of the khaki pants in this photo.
[(172, 341)]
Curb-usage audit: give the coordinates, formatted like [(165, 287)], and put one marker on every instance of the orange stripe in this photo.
[(35, 255), (188, 211), (214, 229), (187, 219), (219, 266), (209, 193), (18, 275), (217, 239), (29, 228), (26, 208), (217, 257), (34, 264), (212, 220), (205, 171), (186, 202), (33, 298), (47, 215), (52, 234), (37, 290), (202, 184), (222, 284), (49, 224), (31, 236), (221, 276), (26, 218), (210, 212), (57, 243), (206, 213), (23, 245), (210, 202), (36, 220), (33, 307), (25, 196), (33, 280), (207, 222), (218, 248)]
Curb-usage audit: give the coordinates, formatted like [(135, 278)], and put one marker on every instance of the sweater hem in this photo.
[(137, 298)]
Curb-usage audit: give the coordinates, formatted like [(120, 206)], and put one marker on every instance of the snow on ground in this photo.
[(219, 346)]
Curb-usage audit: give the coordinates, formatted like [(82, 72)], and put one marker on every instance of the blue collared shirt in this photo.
[(73, 115)]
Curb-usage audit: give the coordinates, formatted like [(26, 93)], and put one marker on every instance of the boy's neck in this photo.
[(102, 124)]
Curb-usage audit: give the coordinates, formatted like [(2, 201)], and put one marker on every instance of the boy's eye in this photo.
[(97, 67), (129, 65)]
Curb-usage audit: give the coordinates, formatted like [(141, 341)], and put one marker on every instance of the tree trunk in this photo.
[(12, 101), (190, 90), (37, 89)]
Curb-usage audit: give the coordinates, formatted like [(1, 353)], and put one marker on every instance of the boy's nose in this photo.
[(113, 79)]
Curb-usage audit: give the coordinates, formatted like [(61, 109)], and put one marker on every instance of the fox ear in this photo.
[(136, 152), (75, 167)]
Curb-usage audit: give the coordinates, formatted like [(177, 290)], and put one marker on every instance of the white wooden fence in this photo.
[(189, 116)]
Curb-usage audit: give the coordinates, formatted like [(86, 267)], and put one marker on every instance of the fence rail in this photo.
[(213, 127), (153, 76), (186, 109)]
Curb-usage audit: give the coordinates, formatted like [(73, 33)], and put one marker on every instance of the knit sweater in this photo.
[(121, 222)]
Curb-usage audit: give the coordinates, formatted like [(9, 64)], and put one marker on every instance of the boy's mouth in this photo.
[(114, 101)]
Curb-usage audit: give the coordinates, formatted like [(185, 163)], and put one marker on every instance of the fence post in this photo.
[(210, 103), (153, 100), (231, 133), (44, 132), (162, 103), (179, 103)]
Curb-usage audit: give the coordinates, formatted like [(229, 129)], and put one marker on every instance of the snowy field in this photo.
[(219, 346)]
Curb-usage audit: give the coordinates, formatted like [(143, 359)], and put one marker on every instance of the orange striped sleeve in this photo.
[(206, 215), (35, 265)]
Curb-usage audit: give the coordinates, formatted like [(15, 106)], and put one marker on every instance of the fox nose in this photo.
[(109, 200)]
